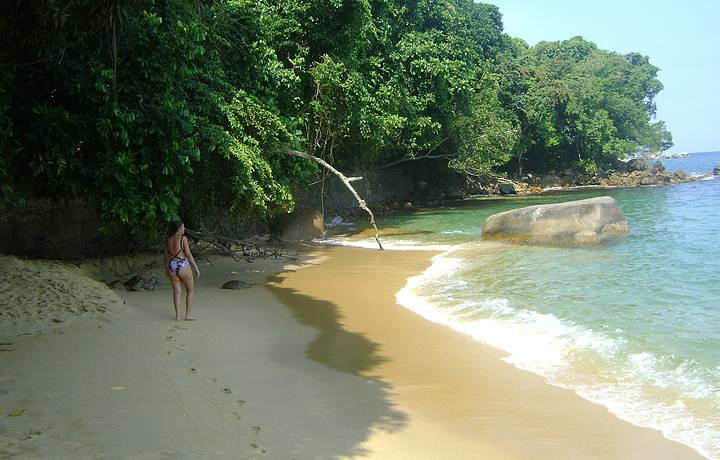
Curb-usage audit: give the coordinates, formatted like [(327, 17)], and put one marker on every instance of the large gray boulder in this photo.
[(301, 225), (588, 221)]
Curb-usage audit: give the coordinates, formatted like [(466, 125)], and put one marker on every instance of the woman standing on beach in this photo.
[(178, 259)]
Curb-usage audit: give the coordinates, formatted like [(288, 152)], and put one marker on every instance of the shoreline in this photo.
[(438, 374), (524, 190), (315, 360)]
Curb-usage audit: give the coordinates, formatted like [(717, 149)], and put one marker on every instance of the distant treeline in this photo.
[(154, 109)]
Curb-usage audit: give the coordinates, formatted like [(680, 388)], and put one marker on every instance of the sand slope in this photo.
[(36, 296)]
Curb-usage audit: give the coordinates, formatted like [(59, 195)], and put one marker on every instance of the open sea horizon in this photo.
[(633, 325)]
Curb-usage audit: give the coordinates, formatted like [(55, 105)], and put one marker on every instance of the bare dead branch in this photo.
[(361, 202), (236, 248)]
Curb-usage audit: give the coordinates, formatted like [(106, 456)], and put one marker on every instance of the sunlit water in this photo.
[(633, 325)]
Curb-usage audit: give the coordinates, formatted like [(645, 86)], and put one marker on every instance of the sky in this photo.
[(681, 38)]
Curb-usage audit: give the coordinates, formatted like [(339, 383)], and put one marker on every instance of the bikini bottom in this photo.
[(175, 265)]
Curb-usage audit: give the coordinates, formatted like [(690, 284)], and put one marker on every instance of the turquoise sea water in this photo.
[(633, 325)]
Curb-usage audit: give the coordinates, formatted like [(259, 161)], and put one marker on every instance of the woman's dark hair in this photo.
[(172, 227)]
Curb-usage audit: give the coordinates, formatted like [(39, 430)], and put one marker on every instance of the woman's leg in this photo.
[(187, 279), (177, 292)]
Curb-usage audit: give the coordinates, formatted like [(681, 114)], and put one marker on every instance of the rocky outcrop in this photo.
[(301, 225), (648, 177), (657, 167), (638, 164), (588, 221), (716, 170)]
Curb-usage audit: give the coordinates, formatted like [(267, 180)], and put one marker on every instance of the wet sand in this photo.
[(319, 363), (457, 398)]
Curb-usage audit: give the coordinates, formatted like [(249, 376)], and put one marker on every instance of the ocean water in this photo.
[(633, 325)]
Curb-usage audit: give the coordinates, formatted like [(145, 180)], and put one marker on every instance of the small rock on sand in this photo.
[(235, 284), (136, 283)]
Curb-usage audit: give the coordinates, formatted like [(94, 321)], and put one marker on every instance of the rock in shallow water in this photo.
[(588, 221)]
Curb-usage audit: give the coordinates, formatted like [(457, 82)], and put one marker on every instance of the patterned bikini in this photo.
[(175, 264)]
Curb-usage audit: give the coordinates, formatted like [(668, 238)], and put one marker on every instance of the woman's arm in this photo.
[(190, 256), (167, 260)]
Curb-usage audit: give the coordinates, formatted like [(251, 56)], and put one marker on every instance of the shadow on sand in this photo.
[(359, 403)]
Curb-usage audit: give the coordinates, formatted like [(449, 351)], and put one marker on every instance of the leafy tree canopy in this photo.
[(156, 109)]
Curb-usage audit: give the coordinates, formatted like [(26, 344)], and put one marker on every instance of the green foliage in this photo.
[(485, 137), (578, 105), (152, 110), (129, 137)]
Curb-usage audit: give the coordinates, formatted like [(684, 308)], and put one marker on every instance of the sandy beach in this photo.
[(317, 362)]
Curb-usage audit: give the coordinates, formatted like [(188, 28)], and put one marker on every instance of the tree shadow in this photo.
[(334, 346), (358, 404)]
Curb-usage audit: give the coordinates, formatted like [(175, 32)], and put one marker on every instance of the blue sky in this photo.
[(681, 38)]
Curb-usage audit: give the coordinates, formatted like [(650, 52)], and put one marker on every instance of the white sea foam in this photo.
[(395, 245), (546, 345), (337, 221)]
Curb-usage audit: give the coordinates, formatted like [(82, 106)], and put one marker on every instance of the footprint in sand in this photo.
[(237, 416), (255, 430), (227, 391), (240, 402), (30, 435), (258, 448), (170, 338)]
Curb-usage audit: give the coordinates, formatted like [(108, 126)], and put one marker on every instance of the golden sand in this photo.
[(453, 397), (318, 364)]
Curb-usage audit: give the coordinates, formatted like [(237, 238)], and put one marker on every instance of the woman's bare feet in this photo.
[(189, 318)]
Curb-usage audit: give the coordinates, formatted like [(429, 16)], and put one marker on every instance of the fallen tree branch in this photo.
[(495, 177), (237, 249), (345, 180)]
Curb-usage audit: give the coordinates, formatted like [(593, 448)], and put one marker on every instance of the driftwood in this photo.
[(489, 176), (236, 248), (345, 180), (207, 243)]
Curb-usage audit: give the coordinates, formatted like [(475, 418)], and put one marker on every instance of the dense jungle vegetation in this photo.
[(153, 109)]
